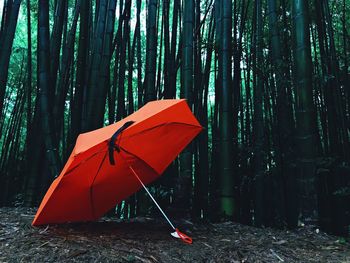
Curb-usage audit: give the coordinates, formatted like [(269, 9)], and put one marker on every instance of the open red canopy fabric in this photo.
[(89, 185)]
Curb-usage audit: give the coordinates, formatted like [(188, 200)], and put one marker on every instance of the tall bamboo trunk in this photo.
[(65, 70), (51, 147), (184, 187), (107, 51), (112, 95), (258, 127), (227, 204), (131, 59), (151, 51), (81, 72), (7, 35), (173, 64), (346, 66), (29, 71), (197, 101), (284, 126), (56, 41), (202, 179), (140, 88), (121, 112), (96, 94), (167, 58), (307, 133)]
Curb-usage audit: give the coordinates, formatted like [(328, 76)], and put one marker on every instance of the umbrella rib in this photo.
[(82, 161), (159, 125), (146, 130), (91, 186), (136, 156)]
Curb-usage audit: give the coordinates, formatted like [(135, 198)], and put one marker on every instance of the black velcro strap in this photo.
[(112, 146)]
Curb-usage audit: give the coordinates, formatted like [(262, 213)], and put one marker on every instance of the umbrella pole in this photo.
[(184, 237), (154, 200)]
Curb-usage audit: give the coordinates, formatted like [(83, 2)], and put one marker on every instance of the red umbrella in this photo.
[(109, 164)]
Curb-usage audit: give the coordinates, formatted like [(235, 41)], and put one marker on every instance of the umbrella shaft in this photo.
[(160, 209)]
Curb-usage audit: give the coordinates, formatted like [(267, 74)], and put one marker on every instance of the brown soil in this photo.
[(148, 240)]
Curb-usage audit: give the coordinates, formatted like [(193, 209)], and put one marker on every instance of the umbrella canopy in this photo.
[(90, 185)]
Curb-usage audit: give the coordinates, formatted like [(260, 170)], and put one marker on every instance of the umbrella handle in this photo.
[(184, 237), (111, 144)]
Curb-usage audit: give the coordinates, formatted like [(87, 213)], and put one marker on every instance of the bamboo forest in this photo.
[(268, 80)]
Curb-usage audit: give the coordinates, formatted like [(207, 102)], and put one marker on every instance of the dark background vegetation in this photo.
[(268, 80)]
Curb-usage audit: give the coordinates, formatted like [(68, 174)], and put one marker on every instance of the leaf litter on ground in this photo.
[(148, 240)]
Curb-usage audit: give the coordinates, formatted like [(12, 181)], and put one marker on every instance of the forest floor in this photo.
[(148, 240)]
